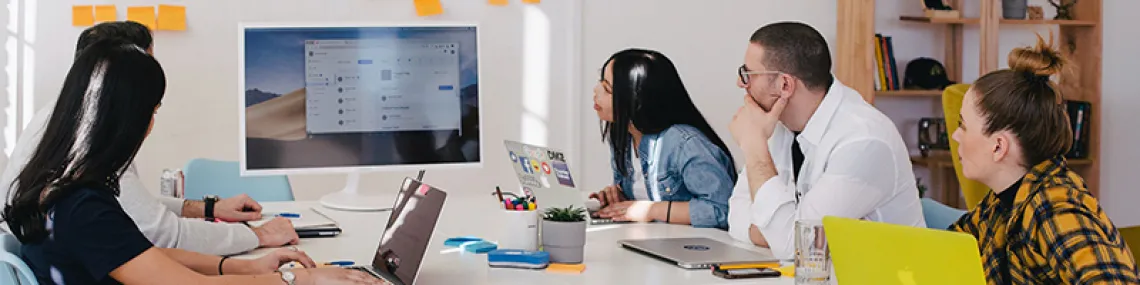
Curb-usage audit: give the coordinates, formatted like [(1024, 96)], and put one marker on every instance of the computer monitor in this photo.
[(357, 98)]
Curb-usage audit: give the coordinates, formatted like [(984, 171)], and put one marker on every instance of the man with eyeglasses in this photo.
[(812, 146)]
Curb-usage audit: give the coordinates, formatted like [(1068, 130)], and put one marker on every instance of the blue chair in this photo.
[(223, 178), (938, 215), (13, 270)]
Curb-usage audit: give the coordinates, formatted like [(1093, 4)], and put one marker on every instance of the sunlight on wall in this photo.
[(28, 92), (536, 76)]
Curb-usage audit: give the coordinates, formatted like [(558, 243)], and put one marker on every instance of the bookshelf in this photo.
[(1080, 39)]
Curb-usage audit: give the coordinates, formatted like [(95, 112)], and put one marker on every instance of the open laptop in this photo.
[(405, 241), (695, 253), (547, 174), (864, 252)]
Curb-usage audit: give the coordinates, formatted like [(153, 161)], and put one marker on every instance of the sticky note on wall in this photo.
[(428, 8), (82, 16), (106, 13), (498, 2), (532, 1), (143, 15), (171, 17)]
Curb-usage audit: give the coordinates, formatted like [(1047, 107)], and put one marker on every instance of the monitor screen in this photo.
[(352, 97)]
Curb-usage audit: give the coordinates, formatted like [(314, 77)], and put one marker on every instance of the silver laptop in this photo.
[(695, 253), (405, 241), (545, 172)]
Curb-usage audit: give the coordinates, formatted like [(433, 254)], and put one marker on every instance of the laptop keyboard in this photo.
[(365, 269)]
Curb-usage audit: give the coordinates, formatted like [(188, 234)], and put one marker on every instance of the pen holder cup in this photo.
[(520, 230)]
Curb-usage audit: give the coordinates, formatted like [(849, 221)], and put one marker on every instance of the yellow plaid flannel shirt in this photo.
[(1055, 233)]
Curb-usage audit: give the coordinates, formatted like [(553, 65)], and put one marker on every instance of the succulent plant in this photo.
[(568, 214)]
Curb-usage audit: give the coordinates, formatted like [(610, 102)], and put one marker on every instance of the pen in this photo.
[(748, 265), (289, 215), (340, 263), (499, 192), (509, 206)]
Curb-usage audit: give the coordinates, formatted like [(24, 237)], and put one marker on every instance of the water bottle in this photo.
[(171, 183)]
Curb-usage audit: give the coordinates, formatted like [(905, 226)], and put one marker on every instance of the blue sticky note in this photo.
[(479, 247)]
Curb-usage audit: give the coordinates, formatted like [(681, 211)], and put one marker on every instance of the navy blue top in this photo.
[(90, 236)]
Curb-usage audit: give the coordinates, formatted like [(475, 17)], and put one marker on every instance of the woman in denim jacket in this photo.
[(669, 165)]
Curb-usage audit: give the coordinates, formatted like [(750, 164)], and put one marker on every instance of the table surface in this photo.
[(606, 262)]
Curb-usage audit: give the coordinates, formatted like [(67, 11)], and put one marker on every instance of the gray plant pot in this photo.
[(1014, 9), (565, 241)]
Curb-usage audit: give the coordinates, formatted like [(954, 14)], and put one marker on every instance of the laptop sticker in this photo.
[(514, 158), (555, 156), (525, 162), (534, 166), (545, 168), (562, 171), (545, 181), (530, 181)]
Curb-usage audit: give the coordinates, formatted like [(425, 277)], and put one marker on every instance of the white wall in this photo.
[(528, 63), (705, 40), (1120, 99)]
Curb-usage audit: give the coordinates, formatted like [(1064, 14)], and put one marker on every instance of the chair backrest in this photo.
[(938, 215), (952, 97), (13, 270), (223, 178), (1131, 236)]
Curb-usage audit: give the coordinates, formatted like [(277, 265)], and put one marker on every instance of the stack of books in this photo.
[(886, 71)]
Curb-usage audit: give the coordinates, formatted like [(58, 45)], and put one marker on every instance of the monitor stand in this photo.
[(350, 199)]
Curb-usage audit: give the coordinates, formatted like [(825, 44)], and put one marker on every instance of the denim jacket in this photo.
[(681, 164)]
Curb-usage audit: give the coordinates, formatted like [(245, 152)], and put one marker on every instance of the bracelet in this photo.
[(669, 212), (220, 264)]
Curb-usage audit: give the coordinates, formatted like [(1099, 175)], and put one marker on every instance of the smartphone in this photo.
[(746, 273)]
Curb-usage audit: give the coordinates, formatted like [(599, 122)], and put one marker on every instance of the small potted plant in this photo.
[(564, 234)]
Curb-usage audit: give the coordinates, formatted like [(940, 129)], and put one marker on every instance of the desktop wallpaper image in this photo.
[(275, 79)]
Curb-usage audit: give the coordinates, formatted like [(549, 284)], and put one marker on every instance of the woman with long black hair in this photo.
[(668, 163), (64, 209)]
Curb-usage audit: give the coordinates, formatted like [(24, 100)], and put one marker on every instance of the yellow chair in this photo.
[(1131, 236), (952, 97)]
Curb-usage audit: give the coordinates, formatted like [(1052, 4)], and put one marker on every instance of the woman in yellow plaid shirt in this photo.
[(1039, 225)]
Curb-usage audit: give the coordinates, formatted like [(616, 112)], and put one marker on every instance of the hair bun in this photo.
[(1040, 60)]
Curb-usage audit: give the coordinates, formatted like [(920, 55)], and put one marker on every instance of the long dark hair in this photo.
[(98, 124), (130, 31), (647, 91)]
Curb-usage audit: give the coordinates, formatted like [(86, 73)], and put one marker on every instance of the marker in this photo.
[(531, 206), (499, 192), (509, 205), (519, 207), (289, 215), (340, 263)]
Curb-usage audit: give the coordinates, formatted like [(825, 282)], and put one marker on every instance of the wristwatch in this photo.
[(209, 211), (289, 277)]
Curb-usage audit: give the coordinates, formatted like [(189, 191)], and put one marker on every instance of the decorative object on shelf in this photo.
[(932, 135), (939, 9), (1064, 7), (564, 234), (921, 187), (926, 73), (1013, 9), (1036, 12), (1079, 114)]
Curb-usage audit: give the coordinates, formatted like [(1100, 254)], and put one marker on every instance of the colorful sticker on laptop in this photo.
[(534, 166), (545, 181), (530, 181), (514, 157), (424, 189), (562, 171), (545, 168), (525, 163)]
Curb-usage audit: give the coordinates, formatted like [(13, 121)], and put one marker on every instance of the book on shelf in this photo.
[(1079, 114), (886, 72)]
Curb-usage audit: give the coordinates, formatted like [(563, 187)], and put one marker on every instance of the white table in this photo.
[(606, 262)]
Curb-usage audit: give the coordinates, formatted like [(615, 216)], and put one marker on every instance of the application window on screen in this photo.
[(381, 85)]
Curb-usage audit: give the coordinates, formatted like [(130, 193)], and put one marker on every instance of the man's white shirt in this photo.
[(856, 165)]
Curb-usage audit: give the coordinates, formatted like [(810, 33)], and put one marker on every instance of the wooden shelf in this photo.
[(975, 21), (908, 93), (959, 21), (1049, 22)]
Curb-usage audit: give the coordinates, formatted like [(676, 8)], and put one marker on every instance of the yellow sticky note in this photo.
[(82, 16), (106, 13), (566, 268), (428, 8), (143, 15), (172, 17), (532, 1), (498, 2)]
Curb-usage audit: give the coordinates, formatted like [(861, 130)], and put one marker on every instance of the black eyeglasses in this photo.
[(745, 75)]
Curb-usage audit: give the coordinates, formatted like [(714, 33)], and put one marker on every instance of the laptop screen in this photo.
[(405, 241)]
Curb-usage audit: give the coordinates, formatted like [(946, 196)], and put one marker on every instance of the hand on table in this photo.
[(628, 211), (610, 195), (276, 232), (240, 208), (274, 260)]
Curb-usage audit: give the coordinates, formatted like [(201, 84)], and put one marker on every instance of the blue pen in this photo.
[(340, 263), (289, 215)]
